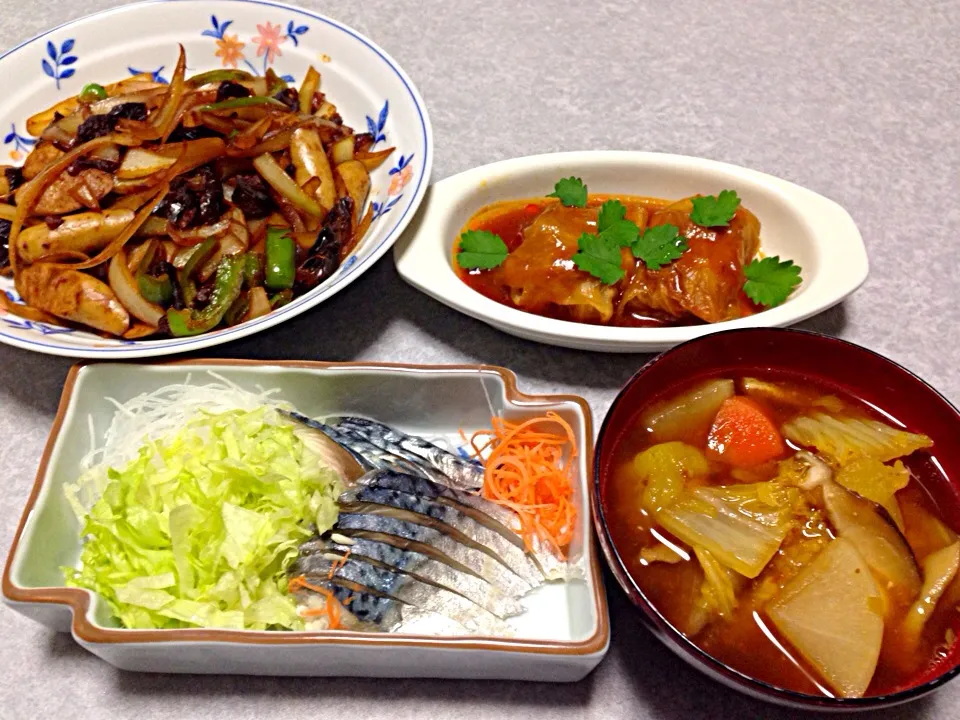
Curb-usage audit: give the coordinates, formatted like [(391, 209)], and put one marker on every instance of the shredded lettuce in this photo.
[(200, 528)]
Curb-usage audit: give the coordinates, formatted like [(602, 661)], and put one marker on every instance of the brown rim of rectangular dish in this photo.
[(78, 600)]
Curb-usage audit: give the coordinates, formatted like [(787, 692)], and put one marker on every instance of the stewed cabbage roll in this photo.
[(706, 281)]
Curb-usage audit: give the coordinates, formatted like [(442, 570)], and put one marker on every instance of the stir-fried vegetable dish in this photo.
[(784, 528), (625, 261), (152, 210)]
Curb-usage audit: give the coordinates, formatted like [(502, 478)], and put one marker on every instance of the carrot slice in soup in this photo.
[(742, 434)]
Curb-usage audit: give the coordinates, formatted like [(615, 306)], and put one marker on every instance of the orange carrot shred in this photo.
[(331, 607), (526, 472)]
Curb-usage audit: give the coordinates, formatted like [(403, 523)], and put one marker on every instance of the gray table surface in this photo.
[(855, 100)]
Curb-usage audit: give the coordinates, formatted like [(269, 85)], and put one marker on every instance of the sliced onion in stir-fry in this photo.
[(164, 118), (259, 303), (140, 162), (124, 284), (342, 150), (281, 182), (372, 160), (37, 123), (201, 233), (309, 87), (310, 161)]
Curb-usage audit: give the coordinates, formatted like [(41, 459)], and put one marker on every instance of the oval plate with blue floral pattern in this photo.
[(372, 93)]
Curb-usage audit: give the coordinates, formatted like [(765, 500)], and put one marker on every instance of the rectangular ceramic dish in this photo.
[(562, 637)]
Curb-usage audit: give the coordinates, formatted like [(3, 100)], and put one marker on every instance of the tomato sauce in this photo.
[(511, 219)]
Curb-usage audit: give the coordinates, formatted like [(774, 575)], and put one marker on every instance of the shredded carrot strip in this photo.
[(526, 472), (337, 565), (331, 608)]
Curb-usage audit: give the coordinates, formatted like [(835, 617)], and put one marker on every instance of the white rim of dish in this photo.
[(153, 348)]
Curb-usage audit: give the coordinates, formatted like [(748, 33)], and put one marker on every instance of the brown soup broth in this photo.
[(744, 641)]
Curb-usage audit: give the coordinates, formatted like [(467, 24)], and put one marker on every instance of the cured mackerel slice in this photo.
[(463, 474), (498, 518), (368, 455), (446, 519), (365, 609), (421, 567), (402, 587), (443, 548)]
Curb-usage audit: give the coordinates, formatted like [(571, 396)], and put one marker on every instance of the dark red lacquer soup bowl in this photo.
[(888, 393)]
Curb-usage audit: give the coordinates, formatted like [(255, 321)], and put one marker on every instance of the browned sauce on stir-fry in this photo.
[(784, 528), (154, 210), (705, 285)]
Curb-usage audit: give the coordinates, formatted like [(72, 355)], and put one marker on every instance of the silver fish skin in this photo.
[(396, 457), (425, 569), (449, 521), (364, 452), (364, 608), (407, 589), (376, 613), (400, 533), (500, 519), (462, 474)]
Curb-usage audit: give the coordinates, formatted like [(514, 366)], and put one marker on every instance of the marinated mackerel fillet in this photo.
[(448, 520), (440, 546), (403, 588), (496, 517), (422, 567)]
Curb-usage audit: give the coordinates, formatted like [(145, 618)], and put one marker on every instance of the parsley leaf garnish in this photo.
[(600, 257), (659, 245), (769, 281), (571, 191), (612, 226), (481, 249), (715, 210)]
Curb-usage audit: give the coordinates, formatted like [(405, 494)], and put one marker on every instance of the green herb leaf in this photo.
[(612, 226), (715, 210), (770, 281), (571, 191), (600, 257), (481, 249), (659, 245), (611, 212)]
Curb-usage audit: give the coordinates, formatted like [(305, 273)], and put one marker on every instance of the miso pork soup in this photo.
[(783, 527)]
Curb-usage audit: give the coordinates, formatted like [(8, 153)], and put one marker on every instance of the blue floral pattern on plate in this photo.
[(57, 63), (155, 74)]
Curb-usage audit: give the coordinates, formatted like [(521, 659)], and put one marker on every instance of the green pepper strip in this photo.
[(212, 76), (158, 290), (275, 83), (91, 92), (284, 297), (252, 270), (204, 251), (281, 259), (234, 315), (237, 103), (226, 290)]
